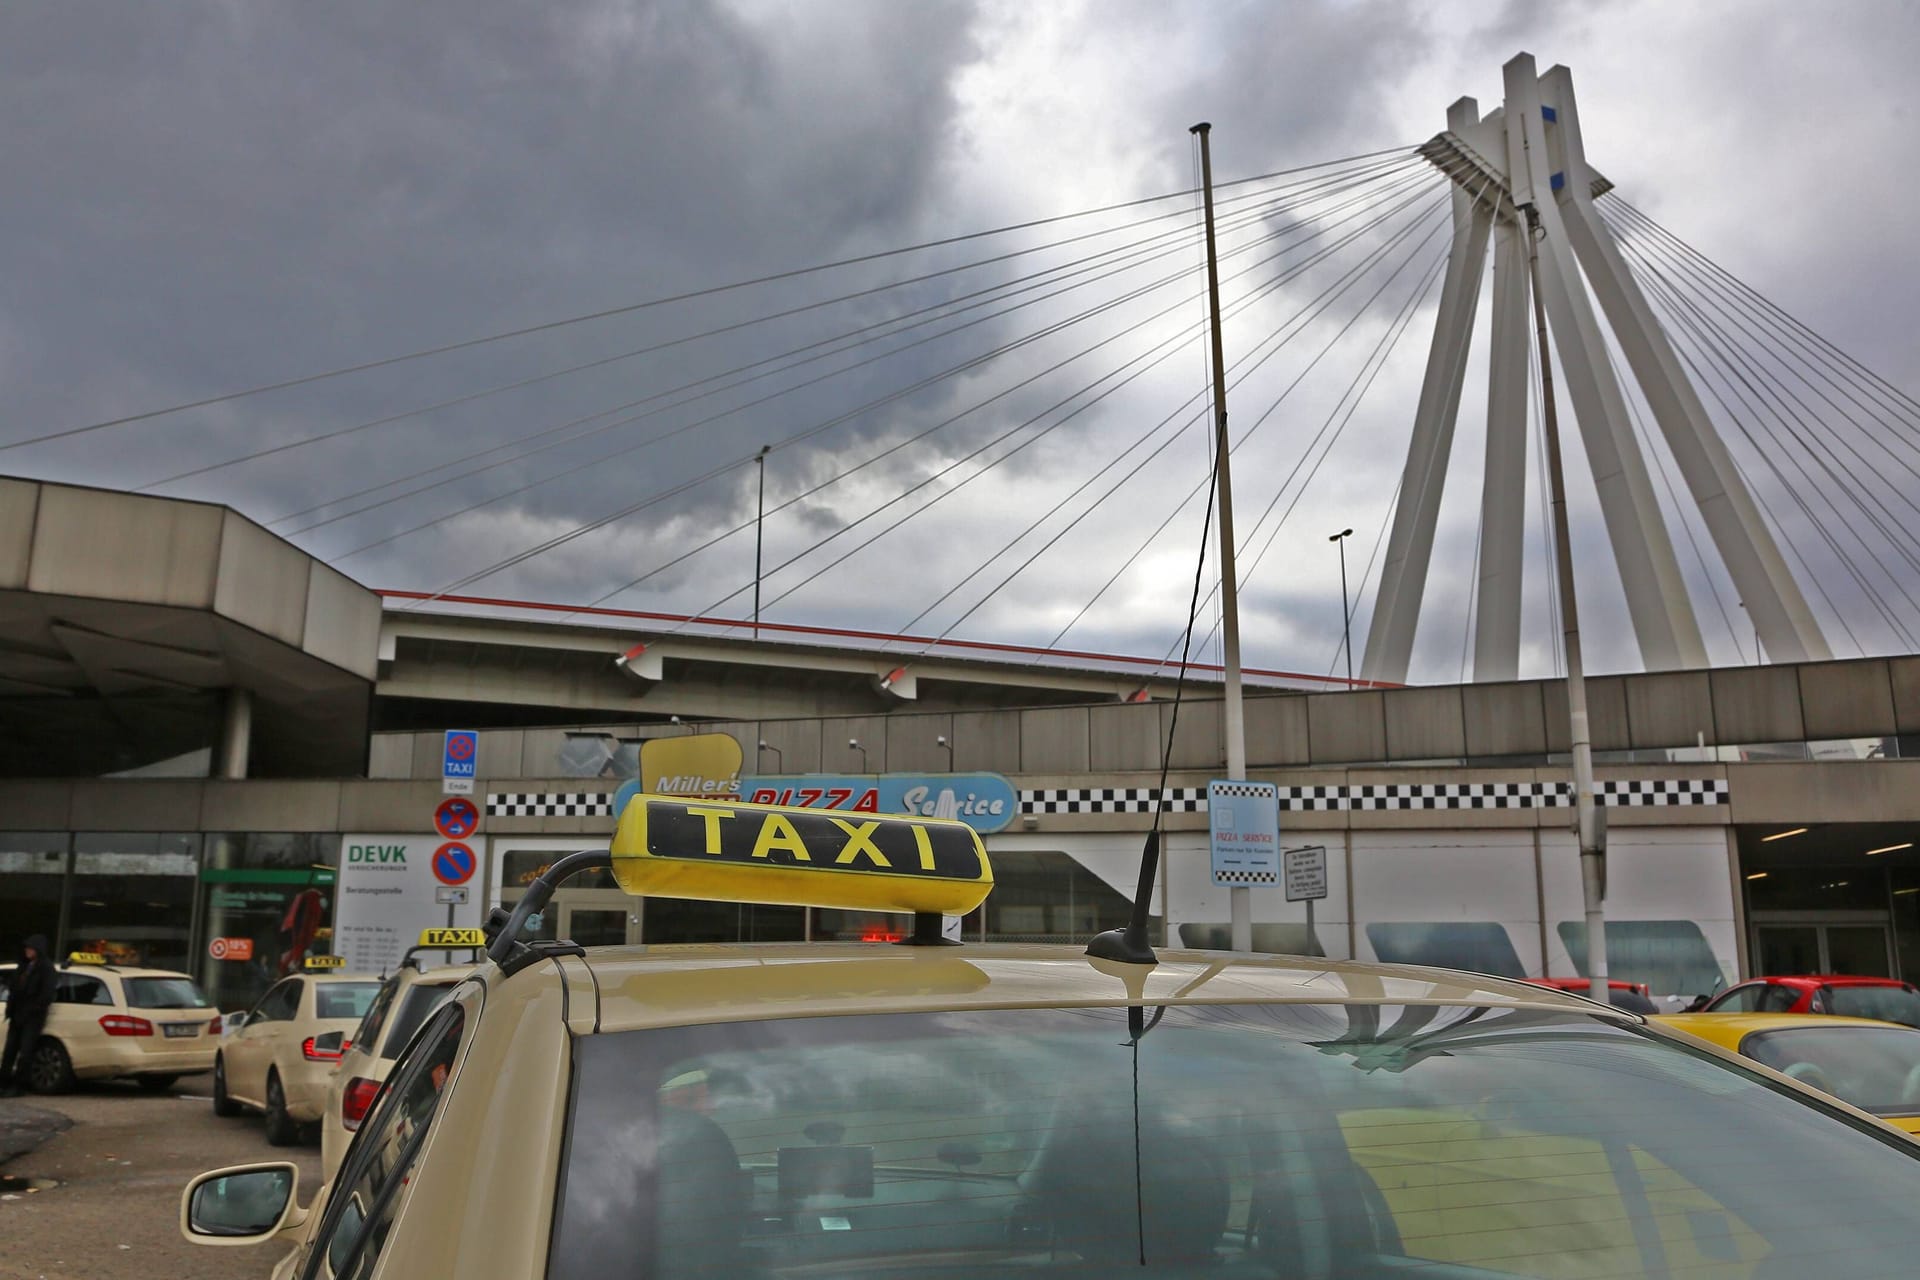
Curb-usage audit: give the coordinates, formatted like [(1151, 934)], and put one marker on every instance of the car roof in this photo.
[(664, 986), (125, 971), (1731, 1028), (328, 979), (1827, 980)]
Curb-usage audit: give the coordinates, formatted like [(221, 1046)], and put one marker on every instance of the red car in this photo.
[(1888, 999)]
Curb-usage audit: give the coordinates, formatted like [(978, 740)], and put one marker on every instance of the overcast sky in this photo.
[(206, 197)]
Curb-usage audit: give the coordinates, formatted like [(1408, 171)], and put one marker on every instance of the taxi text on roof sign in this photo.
[(453, 938), (326, 962), (727, 852), (85, 957)]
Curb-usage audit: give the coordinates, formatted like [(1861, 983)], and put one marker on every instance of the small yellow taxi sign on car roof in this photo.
[(452, 938), (726, 852), (326, 962), (85, 957)]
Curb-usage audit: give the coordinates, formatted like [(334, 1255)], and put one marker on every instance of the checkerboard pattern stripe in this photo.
[(1395, 796), (1246, 877), (549, 804)]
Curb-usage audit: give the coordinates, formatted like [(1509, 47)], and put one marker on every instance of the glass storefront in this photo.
[(159, 899)]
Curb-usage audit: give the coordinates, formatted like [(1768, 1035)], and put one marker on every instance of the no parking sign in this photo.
[(453, 863)]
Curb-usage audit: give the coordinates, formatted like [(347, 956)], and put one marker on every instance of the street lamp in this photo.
[(759, 522), (1346, 617), (941, 741), (853, 744), (779, 757)]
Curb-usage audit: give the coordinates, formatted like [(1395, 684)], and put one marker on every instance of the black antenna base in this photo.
[(927, 932), (1126, 946)]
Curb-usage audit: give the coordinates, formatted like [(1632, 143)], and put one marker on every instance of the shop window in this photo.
[(271, 894), (1671, 956), (132, 897), (33, 868), (1478, 946), (521, 867)]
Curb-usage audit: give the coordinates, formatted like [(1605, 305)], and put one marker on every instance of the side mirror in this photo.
[(233, 1022), (246, 1204), (333, 1042)]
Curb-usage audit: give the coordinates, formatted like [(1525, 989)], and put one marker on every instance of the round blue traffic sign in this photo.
[(456, 818), (453, 863)]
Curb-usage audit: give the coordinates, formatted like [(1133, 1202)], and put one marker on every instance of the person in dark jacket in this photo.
[(29, 996)]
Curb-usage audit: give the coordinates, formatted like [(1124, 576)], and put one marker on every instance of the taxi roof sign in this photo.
[(85, 957), (325, 962), (720, 851), (451, 939)]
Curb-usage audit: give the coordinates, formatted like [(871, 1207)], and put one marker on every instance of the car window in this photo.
[(362, 1210), (165, 993), (279, 1004), (1776, 998), (1257, 1140), (1875, 1068), (1888, 1004), (343, 999), (376, 1016), (80, 988), (421, 999), (1743, 999)]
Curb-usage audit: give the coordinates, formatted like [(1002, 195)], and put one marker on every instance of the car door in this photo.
[(79, 999), (252, 1049)]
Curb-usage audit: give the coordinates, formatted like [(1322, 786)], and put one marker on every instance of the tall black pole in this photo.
[(1346, 614), (759, 520)]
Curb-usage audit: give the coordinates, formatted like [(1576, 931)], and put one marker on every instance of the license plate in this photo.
[(175, 1029)]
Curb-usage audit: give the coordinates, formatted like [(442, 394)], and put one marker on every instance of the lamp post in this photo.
[(1346, 617), (759, 521), (941, 741), (853, 744), (779, 756)]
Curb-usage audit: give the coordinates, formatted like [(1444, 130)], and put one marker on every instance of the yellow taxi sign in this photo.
[(325, 962), (85, 957), (452, 938), (721, 851)]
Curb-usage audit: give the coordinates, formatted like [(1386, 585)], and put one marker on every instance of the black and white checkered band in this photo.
[(1113, 800), (1366, 797), (1395, 795), (549, 804), (1246, 877)]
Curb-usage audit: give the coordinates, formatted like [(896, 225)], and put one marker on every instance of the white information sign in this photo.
[(387, 895), (1306, 871), (1243, 820)]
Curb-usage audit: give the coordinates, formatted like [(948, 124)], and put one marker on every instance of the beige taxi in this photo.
[(279, 1059), (793, 1112), (406, 997), (113, 1022)]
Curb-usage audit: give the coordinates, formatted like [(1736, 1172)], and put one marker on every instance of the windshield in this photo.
[(1889, 1004), (165, 993), (1875, 1068), (343, 999), (1257, 1140)]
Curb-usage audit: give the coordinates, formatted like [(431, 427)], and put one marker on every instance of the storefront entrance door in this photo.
[(1814, 945)]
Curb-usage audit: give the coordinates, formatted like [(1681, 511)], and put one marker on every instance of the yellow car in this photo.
[(111, 1022), (279, 1059), (882, 1110), (1873, 1065), (406, 997)]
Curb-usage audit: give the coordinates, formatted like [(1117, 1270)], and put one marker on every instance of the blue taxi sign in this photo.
[(721, 851)]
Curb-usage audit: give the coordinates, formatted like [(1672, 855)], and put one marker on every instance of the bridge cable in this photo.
[(789, 440), (630, 308), (795, 358)]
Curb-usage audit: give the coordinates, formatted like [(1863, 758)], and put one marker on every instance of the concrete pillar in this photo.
[(236, 735)]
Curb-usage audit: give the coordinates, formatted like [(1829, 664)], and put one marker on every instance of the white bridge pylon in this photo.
[(1529, 152)]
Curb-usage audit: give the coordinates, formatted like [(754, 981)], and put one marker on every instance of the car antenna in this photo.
[(1130, 945)]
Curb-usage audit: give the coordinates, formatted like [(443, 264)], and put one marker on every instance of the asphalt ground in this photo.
[(120, 1166)]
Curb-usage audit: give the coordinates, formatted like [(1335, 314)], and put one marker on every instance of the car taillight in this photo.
[(316, 1054), (119, 1024), (354, 1101), (213, 1028)]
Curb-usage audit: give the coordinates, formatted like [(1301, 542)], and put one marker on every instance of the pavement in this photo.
[(120, 1157)]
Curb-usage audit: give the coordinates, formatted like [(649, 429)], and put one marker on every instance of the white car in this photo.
[(111, 1022), (279, 1060)]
